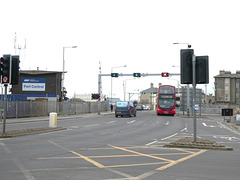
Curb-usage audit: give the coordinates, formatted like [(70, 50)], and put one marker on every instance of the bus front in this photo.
[(166, 102)]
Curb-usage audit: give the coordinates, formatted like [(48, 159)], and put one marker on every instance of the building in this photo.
[(148, 97), (39, 85), (227, 88)]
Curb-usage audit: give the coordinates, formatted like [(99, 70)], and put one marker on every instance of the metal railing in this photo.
[(18, 109)]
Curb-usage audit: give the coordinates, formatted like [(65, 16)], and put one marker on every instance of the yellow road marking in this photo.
[(88, 159), (141, 154), (142, 164), (168, 162), (180, 160), (110, 156)]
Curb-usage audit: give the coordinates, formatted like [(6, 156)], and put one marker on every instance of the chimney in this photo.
[(151, 85)]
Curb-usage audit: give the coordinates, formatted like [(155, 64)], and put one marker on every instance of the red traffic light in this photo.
[(165, 74)]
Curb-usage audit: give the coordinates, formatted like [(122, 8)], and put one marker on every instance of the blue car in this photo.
[(125, 109)]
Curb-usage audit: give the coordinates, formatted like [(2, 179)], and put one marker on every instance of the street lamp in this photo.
[(63, 71), (111, 77), (189, 45)]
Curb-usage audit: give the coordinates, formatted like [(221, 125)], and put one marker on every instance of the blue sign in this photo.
[(33, 84)]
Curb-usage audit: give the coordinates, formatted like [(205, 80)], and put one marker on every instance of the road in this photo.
[(105, 147)]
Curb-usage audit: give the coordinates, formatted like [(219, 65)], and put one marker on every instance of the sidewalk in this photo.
[(59, 117), (22, 132), (232, 125)]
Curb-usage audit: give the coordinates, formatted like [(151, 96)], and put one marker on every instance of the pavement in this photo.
[(23, 132), (180, 143)]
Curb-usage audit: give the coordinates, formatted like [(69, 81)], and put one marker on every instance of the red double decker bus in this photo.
[(166, 100)]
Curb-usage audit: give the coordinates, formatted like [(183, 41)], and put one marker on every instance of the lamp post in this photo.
[(125, 87), (111, 77), (63, 71)]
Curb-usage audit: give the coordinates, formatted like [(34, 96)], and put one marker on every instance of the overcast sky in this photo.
[(136, 33)]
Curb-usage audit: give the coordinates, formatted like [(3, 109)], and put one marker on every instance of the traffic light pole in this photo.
[(5, 109), (194, 98)]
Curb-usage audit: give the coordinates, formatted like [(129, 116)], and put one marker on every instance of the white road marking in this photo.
[(169, 136), (204, 124), (155, 141), (130, 122), (91, 125), (185, 129), (28, 175), (110, 122), (166, 123)]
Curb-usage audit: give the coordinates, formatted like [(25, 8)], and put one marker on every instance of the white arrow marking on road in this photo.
[(208, 125), (185, 129)]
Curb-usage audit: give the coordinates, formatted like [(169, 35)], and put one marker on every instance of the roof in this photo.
[(227, 76), (150, 90), (36, 72)]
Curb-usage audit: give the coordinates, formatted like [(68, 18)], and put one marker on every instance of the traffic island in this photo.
[(23, 132), (201, 143)]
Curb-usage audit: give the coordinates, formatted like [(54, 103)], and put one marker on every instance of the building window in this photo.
[(226, 80), (226, 88), (237, 85), (237, 95), (226, 97)]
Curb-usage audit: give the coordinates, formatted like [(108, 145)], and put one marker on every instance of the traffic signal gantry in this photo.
[(138, 75), (163, 74)]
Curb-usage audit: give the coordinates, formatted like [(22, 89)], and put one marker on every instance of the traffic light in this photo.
[(114, 74), (136, 74), (202, 70), (186, 66), (165, 74), (1, 65), (15, 70), (6, 69)]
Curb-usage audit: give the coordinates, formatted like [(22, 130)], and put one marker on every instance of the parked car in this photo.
[(139, 107), (125, 109), (147, 107)]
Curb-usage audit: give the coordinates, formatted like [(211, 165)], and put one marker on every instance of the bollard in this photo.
[(53, 119)]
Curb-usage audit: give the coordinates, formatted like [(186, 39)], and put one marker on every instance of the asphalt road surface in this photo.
[(109, 148)]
